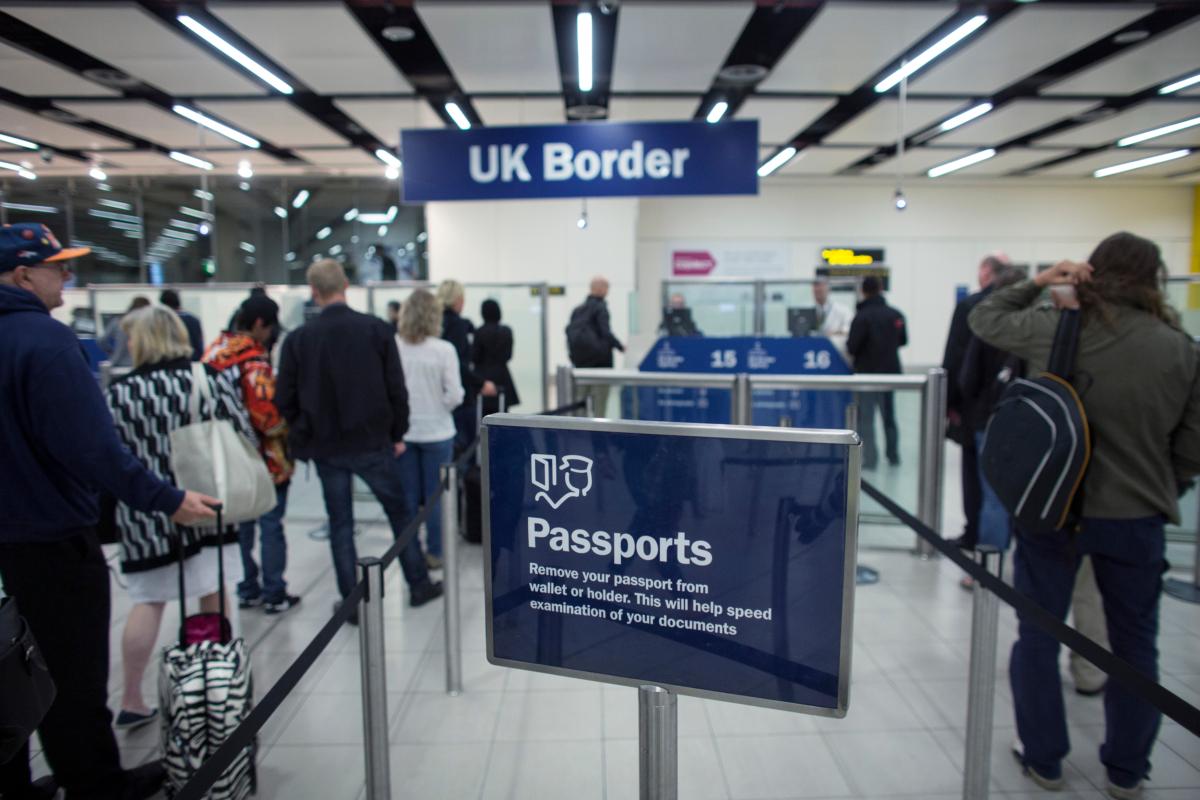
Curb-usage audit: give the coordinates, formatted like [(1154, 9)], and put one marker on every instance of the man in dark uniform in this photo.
[(876, 336)]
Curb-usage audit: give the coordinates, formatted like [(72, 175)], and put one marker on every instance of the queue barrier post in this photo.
[(658, 744), (1188, 591), (564, 383), (933, 433), (450, 580), (372, 656), (743, 400), (981, 686)]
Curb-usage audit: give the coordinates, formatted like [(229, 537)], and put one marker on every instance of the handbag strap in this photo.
[(1065, 346), (199, 390)]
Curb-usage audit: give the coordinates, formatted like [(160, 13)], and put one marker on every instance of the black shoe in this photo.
[(423, 594), (144, 781), (963, 543), (894, 460), (279, 606), (132, 720)]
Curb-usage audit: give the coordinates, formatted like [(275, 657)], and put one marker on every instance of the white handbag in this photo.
[(211, 457)]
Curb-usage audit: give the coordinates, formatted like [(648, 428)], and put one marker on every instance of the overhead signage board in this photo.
[(852, 256), (593, 159), (716, 258), (711, 560)]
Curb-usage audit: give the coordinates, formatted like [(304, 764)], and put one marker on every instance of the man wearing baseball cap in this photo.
[(58, 448)]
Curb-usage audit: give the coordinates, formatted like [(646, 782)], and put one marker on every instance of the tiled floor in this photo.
[(523, 736)]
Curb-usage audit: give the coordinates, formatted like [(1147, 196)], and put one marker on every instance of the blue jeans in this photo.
[(378, 471), (274, 553), (994, 525), (420, 472), (1128, 557)]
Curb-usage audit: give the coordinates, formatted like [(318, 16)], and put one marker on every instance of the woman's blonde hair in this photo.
[(420, 317), (156, 333), (449, 293)]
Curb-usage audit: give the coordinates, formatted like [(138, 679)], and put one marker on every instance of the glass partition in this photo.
[(1183, 293), (779, 296), (381, 294), (718, 308), (521, 310)]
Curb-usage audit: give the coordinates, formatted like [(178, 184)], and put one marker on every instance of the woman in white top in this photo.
[(431, 376)]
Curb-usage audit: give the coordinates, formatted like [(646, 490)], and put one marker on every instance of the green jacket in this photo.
[(1138, 379)]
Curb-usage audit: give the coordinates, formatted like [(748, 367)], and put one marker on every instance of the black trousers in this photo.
[(972, 492), (62, 590), (868, 402)]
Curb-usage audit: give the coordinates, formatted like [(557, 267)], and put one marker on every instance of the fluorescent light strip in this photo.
[(264, 74), (391, 173), (583, 39), (191, 161), (203, 195), (776, 161), (191, 212), (456, 114), (1181, 84), (244, 169), (335, 250), (125, 226), (387, 157), (944, 44), (95, 212), (717, 112), (960, 163), (324, 232), (1140, 163), (191, 237), (965, 117), (104, 201), (281, 212), (214, 125), (383, 230), (97, 173), (31, 209), (249, 248), (28, 145), (10, 165), (1157, 132), (27, 175), (300, 199), (378, 219), (350, 215), (185, 225)]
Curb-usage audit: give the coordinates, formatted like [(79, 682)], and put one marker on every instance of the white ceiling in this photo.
[(823, 160), (28, 75), (1012, 160), (341, 157), (496, 46), (641, 109), (781, 119), (1140, 67), (1140, 118), (523, 111), (878, 124), (916, 162), (385, 118), (276, 121), (141, 45), (19, 122), (322, 45), (1020, 45), (147, 121), (675, 47), (1012, 120)]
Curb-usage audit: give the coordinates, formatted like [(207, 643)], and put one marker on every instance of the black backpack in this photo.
[(584, 344), (1038, 444)]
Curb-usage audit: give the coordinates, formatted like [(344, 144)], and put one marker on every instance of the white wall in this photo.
[(533, 241), (933, 246)]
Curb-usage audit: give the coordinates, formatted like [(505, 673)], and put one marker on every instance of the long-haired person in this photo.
[(147, 404), (1136, 373), (435, 389), (457, 330)]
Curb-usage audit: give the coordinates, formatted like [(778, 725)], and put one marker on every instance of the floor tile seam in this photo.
[(845, 769), (720, 760), (491, 748), (408, 695), (1192, 761)]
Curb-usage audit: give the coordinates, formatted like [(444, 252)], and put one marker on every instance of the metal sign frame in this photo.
[(740, 432)]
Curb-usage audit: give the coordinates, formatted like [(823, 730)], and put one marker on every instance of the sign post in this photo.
[(709, 560)]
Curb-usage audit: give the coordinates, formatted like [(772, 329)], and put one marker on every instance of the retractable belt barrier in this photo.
[(243, 736), (1166, 701)]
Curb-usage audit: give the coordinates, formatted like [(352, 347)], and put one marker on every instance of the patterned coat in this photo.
[(147, 404)]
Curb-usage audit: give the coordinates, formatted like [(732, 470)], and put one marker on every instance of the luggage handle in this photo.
[(479, 406), (177, 539)]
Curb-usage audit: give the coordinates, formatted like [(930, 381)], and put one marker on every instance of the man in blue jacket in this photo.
[(58, 447)]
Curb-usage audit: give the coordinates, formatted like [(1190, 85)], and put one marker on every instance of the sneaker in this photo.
[(132, 720), (44, 788), (423, 594), (279, 606), (250, 602), (353, 620), (432, 561), (1119, 792), (144, 781), (1053, 784)]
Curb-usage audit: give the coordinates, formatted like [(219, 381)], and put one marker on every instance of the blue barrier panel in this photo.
[(755, 355), (712, 560)]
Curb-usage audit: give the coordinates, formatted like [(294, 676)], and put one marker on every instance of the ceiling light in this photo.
[(422, 236), (174, 234), (965, 117), (383, 230), (214, 125), (583, 39), (1140, 163), (717, 111), (387, 157), (104, 187), (281, 212), (203, 195), (245, 170), (191, 212), (391, 173), (30, 209), (333, 251), (742, 73), (126, 226), (27, 175), (456, 114), (378, 219), (204, 229), (249, 248), (300, 199), (28, 145), (350, 215), (944, 44), (398, 33), (95, 212), (187, 226), (10, 165), (960, 163), (291, 256), (1130, 37), (97, 173), (324, 232), (776, 161), (191, 161), (244, 186), (900, 200), (104, 201), (1157, 132), (132, 234), (232, 52), (1181, 84)]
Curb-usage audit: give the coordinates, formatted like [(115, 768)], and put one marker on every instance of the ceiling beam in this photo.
[(593, 104)]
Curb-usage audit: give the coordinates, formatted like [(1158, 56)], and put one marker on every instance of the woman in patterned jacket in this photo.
[(147, 405)]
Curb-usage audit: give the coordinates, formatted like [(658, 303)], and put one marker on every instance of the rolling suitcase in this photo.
[(473, 484), (205, 691)]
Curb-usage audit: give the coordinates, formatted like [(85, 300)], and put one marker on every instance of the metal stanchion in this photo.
[(589, 406), (933, 434), (374, 681), (658, 744), (1188, 591), (450, 581), (564, 385), (743, 400), (981, 689)]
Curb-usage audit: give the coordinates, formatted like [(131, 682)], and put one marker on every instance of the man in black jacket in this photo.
[(590, 341), (876, 336), (341, 389)]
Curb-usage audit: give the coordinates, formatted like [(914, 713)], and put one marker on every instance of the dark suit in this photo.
[(876, 336), (491, 352), (956, 349)]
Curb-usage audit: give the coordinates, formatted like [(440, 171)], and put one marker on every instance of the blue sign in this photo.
[(730, 355), (594, 159), (703, 559)]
